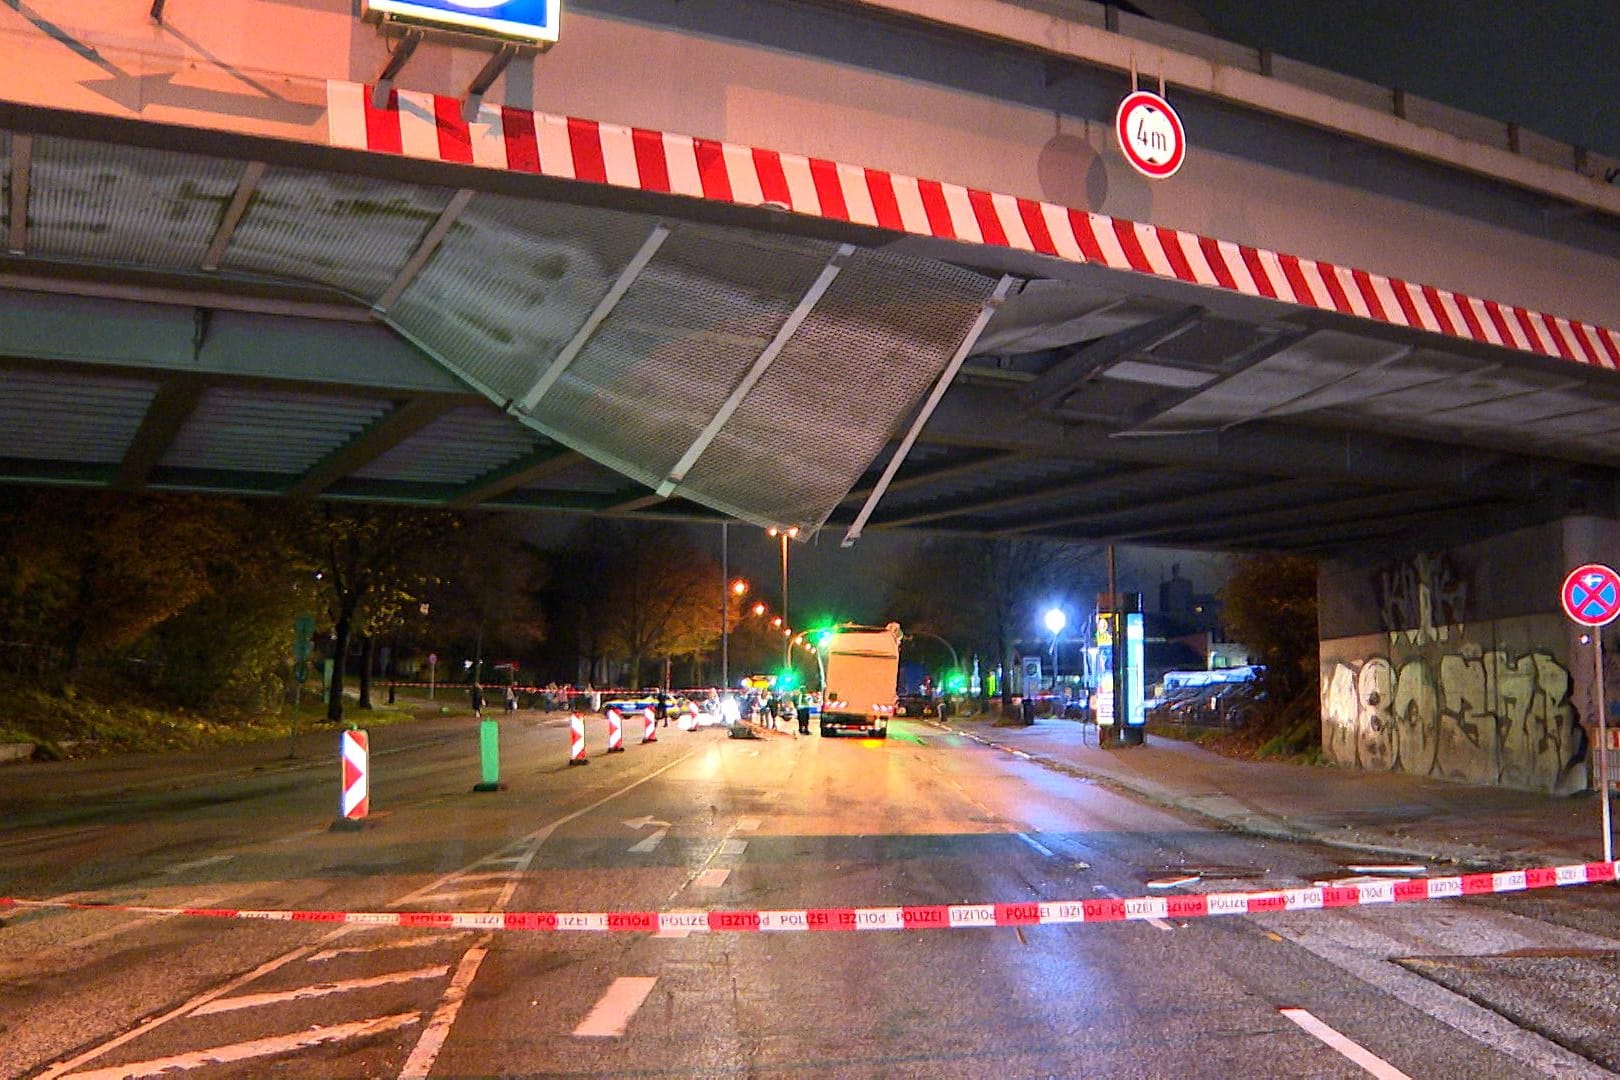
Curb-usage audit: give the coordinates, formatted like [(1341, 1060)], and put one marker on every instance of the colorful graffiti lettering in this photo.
[(1470, 715)]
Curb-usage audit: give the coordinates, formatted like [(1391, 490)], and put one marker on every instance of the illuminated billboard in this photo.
[(527, 20)]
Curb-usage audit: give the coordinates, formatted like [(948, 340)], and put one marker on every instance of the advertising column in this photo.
[(1121, 712)]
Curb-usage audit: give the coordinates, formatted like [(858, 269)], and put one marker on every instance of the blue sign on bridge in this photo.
[(530, 20)]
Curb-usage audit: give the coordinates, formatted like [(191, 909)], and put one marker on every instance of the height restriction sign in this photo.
[(1150, 135), (1591, 595)]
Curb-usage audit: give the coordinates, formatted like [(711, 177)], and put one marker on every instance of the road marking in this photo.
[(748, 824), (254, 1001), (245, 1051), (420, 1063), (609, 1017), (198, 864), (649, 844), (733, 847), (531, 843), (1036, 844), (381, 946), (712, 878), (201, 999), (1375, 1065), (476, 890)]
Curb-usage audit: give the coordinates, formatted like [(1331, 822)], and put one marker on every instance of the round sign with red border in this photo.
[(1150, 135), (1591, 595)]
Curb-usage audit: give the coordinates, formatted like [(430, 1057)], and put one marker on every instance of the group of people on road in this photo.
[(476, 694)]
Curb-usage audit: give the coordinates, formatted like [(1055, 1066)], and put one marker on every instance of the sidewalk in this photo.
[(1388, 815)]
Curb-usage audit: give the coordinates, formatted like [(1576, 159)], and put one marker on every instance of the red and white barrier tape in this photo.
[(430, 126), (918, 917)]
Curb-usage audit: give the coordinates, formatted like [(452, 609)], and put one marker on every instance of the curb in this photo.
[(1249, 823)]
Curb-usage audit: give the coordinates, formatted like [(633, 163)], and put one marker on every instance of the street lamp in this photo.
[(1055, 622), (739, 589), (784, 535)]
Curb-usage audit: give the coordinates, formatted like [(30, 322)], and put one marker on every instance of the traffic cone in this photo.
[(615, 732), (652, 726), (576, 740)]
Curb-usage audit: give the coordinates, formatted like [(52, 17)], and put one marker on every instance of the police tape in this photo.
[(916, 917)]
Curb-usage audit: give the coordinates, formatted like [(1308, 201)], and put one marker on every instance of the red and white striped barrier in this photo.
[(651, 733), (430, 126), (920, 917), (615, 732), (354, 802), (576, 740)]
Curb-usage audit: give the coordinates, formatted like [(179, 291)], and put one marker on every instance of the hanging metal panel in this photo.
[(510, 285), (844, 384)]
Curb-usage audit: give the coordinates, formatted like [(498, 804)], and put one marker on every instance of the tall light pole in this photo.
[(1055, 622), (785, 535)]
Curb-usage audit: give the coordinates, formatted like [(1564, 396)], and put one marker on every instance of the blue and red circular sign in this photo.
[(1591, 595)]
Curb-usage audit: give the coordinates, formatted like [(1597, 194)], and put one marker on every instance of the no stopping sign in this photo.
[(1591, 595)]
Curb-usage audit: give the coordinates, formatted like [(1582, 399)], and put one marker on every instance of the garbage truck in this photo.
[(860, 679)]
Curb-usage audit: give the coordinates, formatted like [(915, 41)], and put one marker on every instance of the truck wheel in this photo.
[(826, 732), (881, 733)]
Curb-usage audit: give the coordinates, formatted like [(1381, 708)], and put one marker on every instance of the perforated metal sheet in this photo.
[(512, 283), (676, 346), (56, 417), (258, 431), (457, 448), (350, 232), (850, 378), (124, 204)]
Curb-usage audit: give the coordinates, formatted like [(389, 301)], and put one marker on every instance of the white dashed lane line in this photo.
[(1371, 1062), (610, 1017)]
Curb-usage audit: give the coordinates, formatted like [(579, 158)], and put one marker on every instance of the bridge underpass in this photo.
[(247, 316)]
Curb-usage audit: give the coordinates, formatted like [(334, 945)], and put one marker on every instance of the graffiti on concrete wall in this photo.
[(1422, 598), (1462, 713)]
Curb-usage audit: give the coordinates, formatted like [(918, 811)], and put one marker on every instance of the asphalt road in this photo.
[(1485, 987)]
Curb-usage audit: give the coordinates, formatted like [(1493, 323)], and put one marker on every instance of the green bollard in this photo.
[(489, 757)]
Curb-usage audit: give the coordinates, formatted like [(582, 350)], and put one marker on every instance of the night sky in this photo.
[(1548, 65)]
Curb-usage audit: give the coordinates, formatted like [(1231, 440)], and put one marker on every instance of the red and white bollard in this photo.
[(576, 740), (354, 752), (615, 732), (689, 718), (651, 734)]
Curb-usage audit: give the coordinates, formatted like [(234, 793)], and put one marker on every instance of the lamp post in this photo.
[(784, 535), (1055, 622)]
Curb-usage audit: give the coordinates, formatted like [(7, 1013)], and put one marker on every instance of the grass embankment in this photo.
[(90, 720)]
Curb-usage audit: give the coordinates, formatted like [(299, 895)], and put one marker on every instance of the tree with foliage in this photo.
[(374, 561), (985, 593), (659, 600), (487, 592), (1269, 604), (93, 573)]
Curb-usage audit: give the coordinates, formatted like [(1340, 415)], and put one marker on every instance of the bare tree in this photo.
[(986, 592)]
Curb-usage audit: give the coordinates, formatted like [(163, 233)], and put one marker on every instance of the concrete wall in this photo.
[(823, 81), (1460, 664)]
